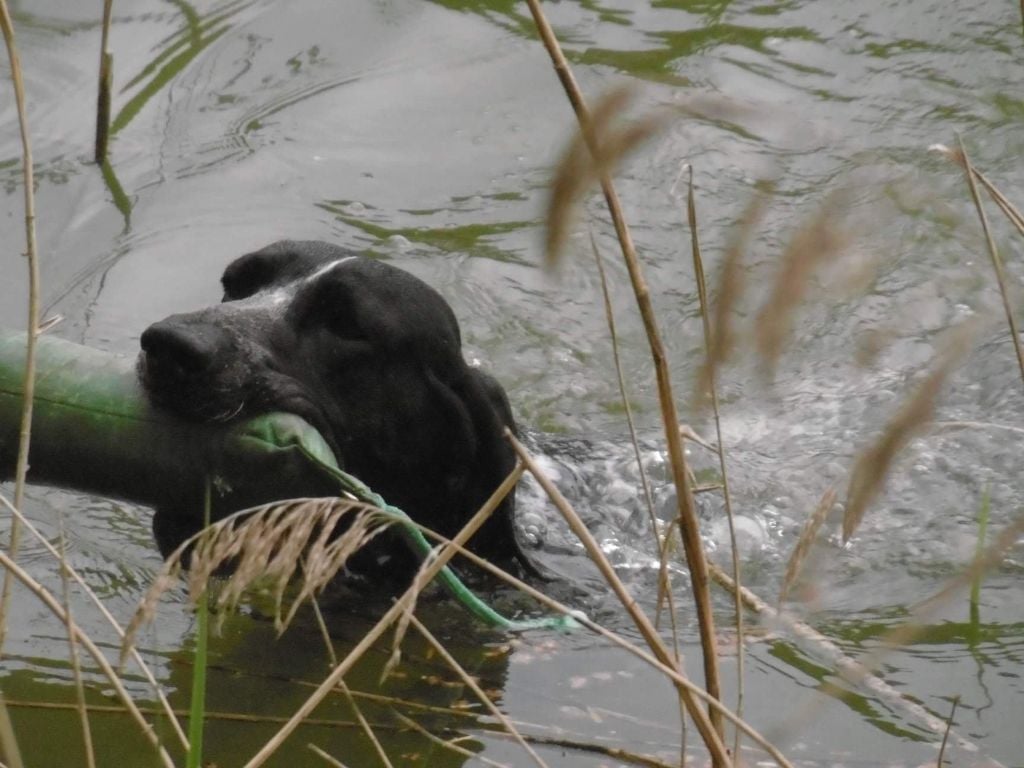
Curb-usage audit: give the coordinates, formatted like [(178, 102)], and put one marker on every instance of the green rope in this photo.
[(419, 544)]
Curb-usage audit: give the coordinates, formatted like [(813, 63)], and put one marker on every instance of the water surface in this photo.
[(425, 133)]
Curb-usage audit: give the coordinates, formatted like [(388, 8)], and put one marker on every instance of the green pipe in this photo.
[(94, 431)]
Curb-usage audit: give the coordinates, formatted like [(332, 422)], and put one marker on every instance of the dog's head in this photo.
[(365, 352)]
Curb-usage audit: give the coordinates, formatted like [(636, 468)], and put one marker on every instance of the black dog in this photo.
[(366, 353)]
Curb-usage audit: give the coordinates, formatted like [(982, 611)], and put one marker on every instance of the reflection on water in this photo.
[(425, 132)]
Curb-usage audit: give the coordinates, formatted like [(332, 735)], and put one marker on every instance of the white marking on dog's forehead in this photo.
[(327, 268), (283, 294)]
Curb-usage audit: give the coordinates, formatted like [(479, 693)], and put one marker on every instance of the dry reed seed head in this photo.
[(594, 151), (917, 409), (146, 610), (808, 536), (688, 433), (319, 569), (820, 238), (731, 281), (870, 343), (717, 109), (951, 154)]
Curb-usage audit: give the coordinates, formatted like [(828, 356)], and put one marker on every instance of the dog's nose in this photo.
[(187, 349)]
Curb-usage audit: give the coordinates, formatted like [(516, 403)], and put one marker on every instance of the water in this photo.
[(426, 132)]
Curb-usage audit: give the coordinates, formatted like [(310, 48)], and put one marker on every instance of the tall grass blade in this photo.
[(105, 84), (983, 516), (197, 705)]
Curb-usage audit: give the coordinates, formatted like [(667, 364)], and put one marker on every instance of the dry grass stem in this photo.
[(997, 262), (712, 389), (213, 715), (55, 607), (365, 724), (456, 546), (419, 583), (869, 472), (347, 692), (731, 286), (451, 746), (814, 243), (29, 380), (620, 756), (75, 657), (949, 725), (959, 158), (136, 657), (8, 739), (687, 515), (325, 634), (474, 686), (709, 734), (808, 536), (325, 757)]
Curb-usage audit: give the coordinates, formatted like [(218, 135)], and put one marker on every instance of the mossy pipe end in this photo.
[(94, 430)]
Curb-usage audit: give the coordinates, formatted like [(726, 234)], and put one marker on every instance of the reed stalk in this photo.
[(993, 252), (28, 386), (712, 384), (75, 656), (687, 517)]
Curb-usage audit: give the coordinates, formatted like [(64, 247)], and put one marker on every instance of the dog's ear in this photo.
[(489, 414), (248, 274)]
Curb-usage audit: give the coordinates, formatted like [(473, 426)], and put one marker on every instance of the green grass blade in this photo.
[(197, 707)]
